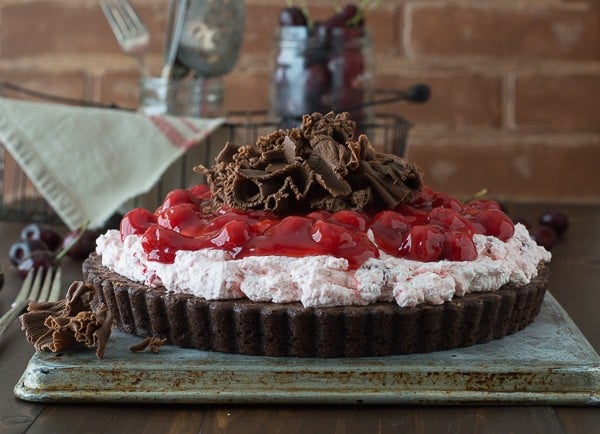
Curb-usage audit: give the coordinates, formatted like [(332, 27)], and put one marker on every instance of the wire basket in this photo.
[(20, 200)]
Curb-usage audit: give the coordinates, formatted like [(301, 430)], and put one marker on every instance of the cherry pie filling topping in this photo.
[(431, 227)]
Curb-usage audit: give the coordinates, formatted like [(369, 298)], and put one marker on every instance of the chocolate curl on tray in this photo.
[(319, 166), (153, 344), (69, 323)]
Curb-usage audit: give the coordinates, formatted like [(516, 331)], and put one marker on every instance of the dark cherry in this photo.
[(556, 219), (36, 232), (544, 236), (22, 249), (38, 259), (349, 11), (80, 248), (292, 16), (317, 83)]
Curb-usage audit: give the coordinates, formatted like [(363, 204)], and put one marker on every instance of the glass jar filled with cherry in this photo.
[(321, 66)]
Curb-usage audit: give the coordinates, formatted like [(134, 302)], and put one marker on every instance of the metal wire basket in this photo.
[(20, 200)]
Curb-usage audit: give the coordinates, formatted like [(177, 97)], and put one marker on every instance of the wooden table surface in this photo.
[(575, 284)]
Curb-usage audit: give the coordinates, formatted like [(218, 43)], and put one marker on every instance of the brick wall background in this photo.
[(515, 84)]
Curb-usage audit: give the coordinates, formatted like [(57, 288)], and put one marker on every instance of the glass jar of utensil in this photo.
[(188, 96), (321, 69)]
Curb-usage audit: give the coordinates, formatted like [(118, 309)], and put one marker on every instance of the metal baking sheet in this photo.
[(550, 362)]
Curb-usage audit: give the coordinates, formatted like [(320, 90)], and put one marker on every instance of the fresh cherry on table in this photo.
[(556, 219), (37, 259), (80, 248), (292, 16), (22, 249), (49, 236), (545, 236)]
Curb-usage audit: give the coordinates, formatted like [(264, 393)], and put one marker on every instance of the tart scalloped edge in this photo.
[(253, 328)]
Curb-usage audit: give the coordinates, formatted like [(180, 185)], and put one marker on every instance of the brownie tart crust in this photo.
[(254, 328)]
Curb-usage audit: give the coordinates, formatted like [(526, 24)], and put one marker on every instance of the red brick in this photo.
[(458, 99), (247, 91), (40, 28), (523, 168), (556, 101), (120, 88), (542, 30)]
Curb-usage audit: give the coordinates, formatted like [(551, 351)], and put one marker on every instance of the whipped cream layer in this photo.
[(325, 280)]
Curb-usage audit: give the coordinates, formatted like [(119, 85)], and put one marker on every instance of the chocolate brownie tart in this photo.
[(310, 243), (246, 327)]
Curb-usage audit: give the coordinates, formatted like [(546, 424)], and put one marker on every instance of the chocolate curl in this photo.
[(102, 334), (319, 166), (153, 344), (67, 323)]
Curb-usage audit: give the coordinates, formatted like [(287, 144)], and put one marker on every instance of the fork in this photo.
[(129, 30), (35, 287)]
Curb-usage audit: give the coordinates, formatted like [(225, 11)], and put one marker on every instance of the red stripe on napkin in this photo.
[(170, 132), (190, 125)]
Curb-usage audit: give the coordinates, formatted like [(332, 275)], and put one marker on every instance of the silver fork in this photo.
[(38, 286), (131, 33)]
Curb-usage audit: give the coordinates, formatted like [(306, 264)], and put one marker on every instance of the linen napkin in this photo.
[(86, 162)]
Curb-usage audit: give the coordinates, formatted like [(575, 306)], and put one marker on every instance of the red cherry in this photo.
[(38, 259), (136, 221), (493, 222), (459, 246), (424, 243), (161, 244), (545, 236), (200, 191), (80, 245), (423, 199), (35, 232), (182, 218), (175, 197), (450, 220), (446, 201), (413, 216), (351, 219), (389, 230), (480, 205), (556, 219), (292, 16), (22, 249), (343, 243), (232, 236)]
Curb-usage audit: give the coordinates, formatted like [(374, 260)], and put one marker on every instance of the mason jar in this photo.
[(193, 97), (320, 70)]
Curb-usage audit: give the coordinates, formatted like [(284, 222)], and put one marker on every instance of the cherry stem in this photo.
[(481, 193)]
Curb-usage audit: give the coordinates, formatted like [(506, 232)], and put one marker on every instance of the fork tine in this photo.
[(37, 284), (55, 291), (131, 14), (25, 288), (45, 290), (114, 19)]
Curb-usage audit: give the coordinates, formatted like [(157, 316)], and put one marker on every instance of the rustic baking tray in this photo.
[(550, 362)]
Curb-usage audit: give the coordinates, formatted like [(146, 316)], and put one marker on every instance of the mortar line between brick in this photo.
[(509, 101), (407, 30)]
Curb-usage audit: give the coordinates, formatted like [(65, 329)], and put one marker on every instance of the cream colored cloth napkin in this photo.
[(86, 162)]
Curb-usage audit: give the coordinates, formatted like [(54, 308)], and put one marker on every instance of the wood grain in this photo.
[(574, 283)]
